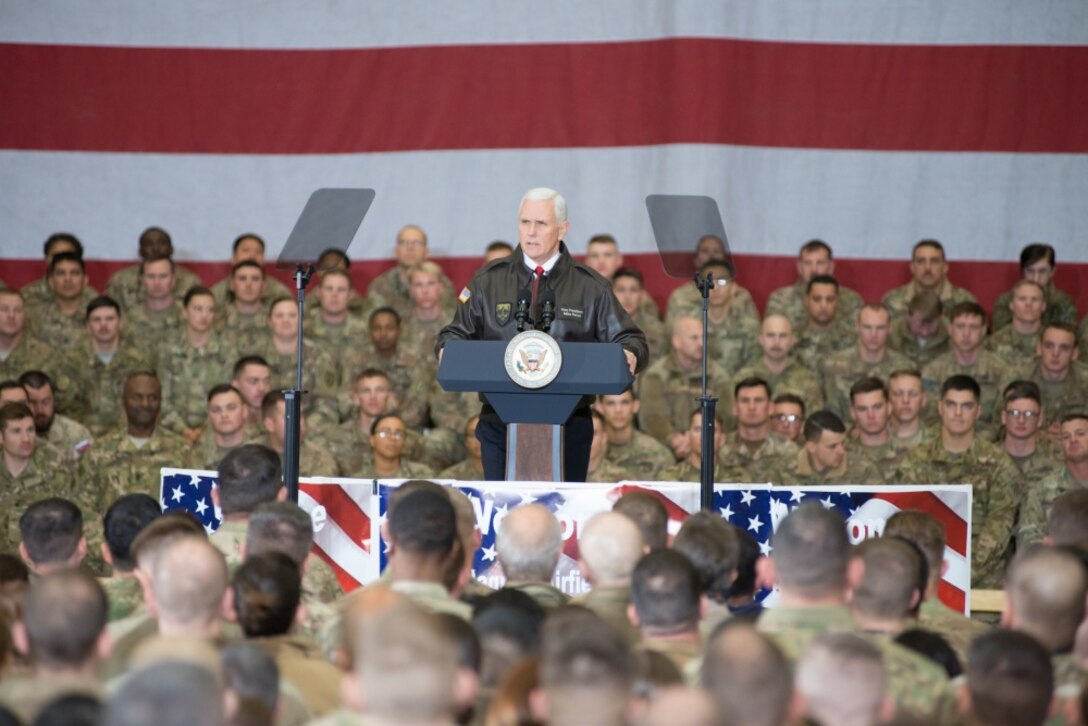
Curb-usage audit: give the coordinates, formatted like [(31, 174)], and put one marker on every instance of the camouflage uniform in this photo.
[(346, 336), (771, 453), (273, 290), (923, 435), (853, 470), (187, 374), (467, 470), (69, 437), (642, 457), (350, 446), (37, 294), (45, 475), (411, 378), (407, 470), (124, 595), (115, 466), (898, 299), (795, 378), (611, 604), (59, 331), (1010, 345), (1046, 459), (432, 596), (790, 302), (442, 448), (843, 369), (657, 335), (418, 336), (450, 410), (390, 289), (301, 663), (544, 593), (315, 459), (887, 458), (686, 300), (97, 386), (608, 472), (901, 340), (990, 371), (234, 325), (29, 354), (995, 483), (154, 329), (958, 629), (669, 395), (682, 653), (127, 289), (1060, 308), (205, 453), (1037, 500), (322, 375), (813, 345), (686, 471), (917, 685), (1059, 397)]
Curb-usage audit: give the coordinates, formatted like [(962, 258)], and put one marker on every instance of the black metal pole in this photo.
[(292, 433), (707, 406)]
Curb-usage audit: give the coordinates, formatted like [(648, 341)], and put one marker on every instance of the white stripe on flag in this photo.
[(959, 571), (346, 551)]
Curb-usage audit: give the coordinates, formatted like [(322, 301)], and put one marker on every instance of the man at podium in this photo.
[(510, 292)]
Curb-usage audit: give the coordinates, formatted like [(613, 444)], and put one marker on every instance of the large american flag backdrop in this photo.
[(868, 124), (348, 514)]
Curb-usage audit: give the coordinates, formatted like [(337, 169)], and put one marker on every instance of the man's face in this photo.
[(199, 314), (104, 325), (753, 406), (813, 263), (384, 333), (388, 439), (604, 257), (776, 338), (142, 398), (424, 290), (708, 249), (959, 411), (12, 315), (873, 329), (1075, 440), (1056, 351), (1027, 304), (335, 292), (226, 413), (373, 395), (908, 398), (67, 280), (254, 381), (920, 327), (828, 452), (19, 438), (619, 411), (928, 267), (695, 434), (722, 292), (248, 249), (247, 284), (687, 340), (1022, 417), (967, 333), (629, 292), (870, 412), (1039, 272), (411, 248), (276, 426), (158, 279), (822, 303), (57, 247), (786, 420), (538, 231), (42, 405), (283, 320)]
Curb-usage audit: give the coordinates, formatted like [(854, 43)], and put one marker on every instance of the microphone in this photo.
[(547, 309), (521, 315)]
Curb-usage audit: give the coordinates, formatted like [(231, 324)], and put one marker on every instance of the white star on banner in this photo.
[(527, 498), (765, 548), (177, 495), (853, 511), (795, 495), (194, 481), (828, 504), (754, 524), (201, 506), (747, 497), (489, 553), (726, 511), (501, 511)]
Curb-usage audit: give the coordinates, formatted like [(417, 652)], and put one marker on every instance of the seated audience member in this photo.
[(788, 417), (733, 323), (1010, 680), (933, 646), (469, 655), (825, 331), (496, 250), (508, 625), (630, 449), (371, 396), (19, 350), (226, 426), (921, 335), (929, 271), (253, 378), (529, 543), (472, 467), (609, 547), (1067, 519), (872, 439), (429, 312), (1019, 338), (252, 678), (824, 458), (779, 367), (63, 630), (871, 357), (689, 468), (749, 677), (648, 514), (122, 523), (385, 351), (815, 258), (128, 285), (387, 438), (710, 543), (1022, 415), (908, 399), (40, 291), (754, 446), (601, 468), (393, 288), (314, 458), (338, 321), (60, 320), (168, 693), (667, 605), (249, 248), (629, 288), (842, 679), (741, 598), (157, 318), (1062, 382), (1037, 264), (188, 588), (241, 313), (687, 300), (890, 590), (51, 532), (67, 435)]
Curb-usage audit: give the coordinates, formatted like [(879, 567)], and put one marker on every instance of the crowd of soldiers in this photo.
[(97, 392)]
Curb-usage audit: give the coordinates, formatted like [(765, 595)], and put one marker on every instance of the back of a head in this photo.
[(610, 545), (1010, 679), (925, 531), (508, 623), (528, 543), (748, 675), (51, 530), (745, 582), (158, 534), (123, 521), (665, 592), (1067, 519), (409, 487), (188, 581), (267, 591), (252, 674), (248, 476), (649, 514), (167, 694), (712, 545), (811, 551), (891, 581), (1046, 589), (933, 646), (842, 678), (64, 614), (280, 527), (75, 709), (424, 523)]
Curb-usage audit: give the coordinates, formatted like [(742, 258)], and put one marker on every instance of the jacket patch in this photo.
[(571, 313), (502, 313)]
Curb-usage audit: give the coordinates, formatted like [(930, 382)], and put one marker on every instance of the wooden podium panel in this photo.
[(534, 452)]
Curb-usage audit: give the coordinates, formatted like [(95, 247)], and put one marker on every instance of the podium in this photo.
[(534, 416)]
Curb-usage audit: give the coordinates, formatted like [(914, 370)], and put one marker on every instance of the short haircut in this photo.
[(527, 554), (1064, 327), (461, 632), (428, 267), (905, 373), (252, 674), (169, 693), (968, 308), (246, 264), (189, 578), (631, 273), (424, 523), (821, 280), (820, 421), (63, 237), (718, 262), (268, 404), (745, 582), (499, 246), (927, 304), (279, 301), (64, 614), (1036, 252), (243, 237), (371, 373), (601, 239), (102, 301), (1024, 282), (933, 646), (248, 476), (73, 709), (382, 418), (267, 591), (196, 291), (892, 576), (580, 650), (811, 551), (66, 257), (790, 398), (814, 245), (220, 388), (665, 592), (868, 384), (610, 544), (280, 527), (384, 310), (157, 258), (710, 543), (158, 534), (649, 514), (927, 243), (1067, 518), (412, 485), (334, 252), (13, 411), (123, 521), (248, 360), (961, 382), (925, 531), (1010, 679), (843, 679), (747, 674), (752, 382), (1046, 587), (512, 617), (51, 530), (1023, 389), (36, 380)]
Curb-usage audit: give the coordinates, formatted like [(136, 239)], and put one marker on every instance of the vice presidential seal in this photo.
[(533, 359)]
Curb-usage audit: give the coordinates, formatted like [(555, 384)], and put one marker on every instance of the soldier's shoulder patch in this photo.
[(464, 296)]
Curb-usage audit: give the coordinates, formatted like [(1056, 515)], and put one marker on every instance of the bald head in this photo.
[(1045, 592), (609, 548), (680, 706), (528, 544), (188, 583)]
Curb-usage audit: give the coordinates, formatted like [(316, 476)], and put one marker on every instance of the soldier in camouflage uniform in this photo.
[(1037, 263), (669, 388), (99, 368), (449, 412), (733, 325), (1068, 477), (127, 286), (1019, 338), (428, 315), (603, 256), (472, 468), (1021, 422), (921, 334), (249, 248), (20, 351), (824, 459), (628, 287), (780, 368), (68, 436), (1062, 381), (38, 292), (871, 357), (815, 258), (929, 269), (907, 396), (333, 324), (754, 447), (349, 443), (687, 300), (314, 456), (601, 469), (226, 429), (59, 321), (872, 440), (122, 522), (825, 331), (128, 460), (391, 288), (642, 456), (388, 460), (958, 456), (690, 467), (157, 318), (245, 312), (252, 377)]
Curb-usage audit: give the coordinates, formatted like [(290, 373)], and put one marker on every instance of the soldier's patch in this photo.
[(502, 312), (464, 296)]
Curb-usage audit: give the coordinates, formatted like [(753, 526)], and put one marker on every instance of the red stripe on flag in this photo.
[(347, 582), (683, 90), (952, 596), (955, 528), (342, 509)]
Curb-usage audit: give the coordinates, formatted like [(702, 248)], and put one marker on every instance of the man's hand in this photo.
[(680, 445), (632, 361)]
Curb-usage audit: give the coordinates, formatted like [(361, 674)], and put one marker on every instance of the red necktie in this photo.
[(536, 285)]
